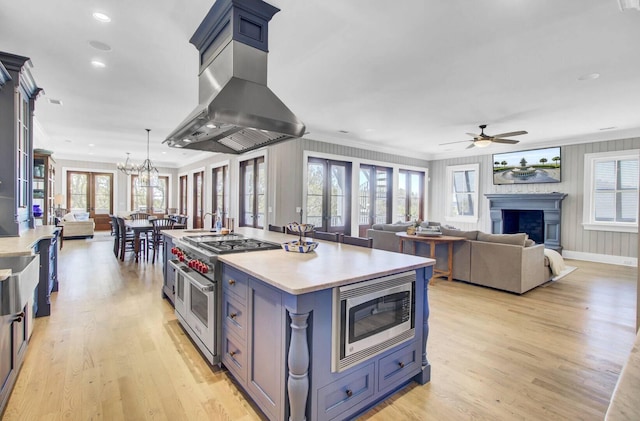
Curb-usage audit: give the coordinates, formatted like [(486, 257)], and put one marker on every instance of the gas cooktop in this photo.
[(230, 243)]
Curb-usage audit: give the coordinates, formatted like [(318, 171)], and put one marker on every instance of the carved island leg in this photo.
[(425, 374), (298, 381)]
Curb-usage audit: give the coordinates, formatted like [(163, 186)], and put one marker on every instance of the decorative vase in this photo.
[(411, 230), (37, 212)]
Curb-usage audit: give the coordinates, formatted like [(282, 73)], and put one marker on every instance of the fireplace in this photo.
[(539, 215)]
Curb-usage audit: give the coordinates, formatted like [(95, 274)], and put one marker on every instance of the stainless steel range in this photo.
[(198, 293)]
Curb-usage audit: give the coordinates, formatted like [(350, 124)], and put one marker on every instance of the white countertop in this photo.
[(23, 245), (329, 265)]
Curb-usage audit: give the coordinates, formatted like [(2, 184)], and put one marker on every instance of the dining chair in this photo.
[(136, 216), (116, 232), (276, 228), (357, 241), (127, 240), (328, 236), (157, 240)]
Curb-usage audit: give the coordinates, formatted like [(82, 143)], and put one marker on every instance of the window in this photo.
[(146, 199), (198, 199), (329, 195), (410, 195), (611, 191), (462, 193), (253, 186)]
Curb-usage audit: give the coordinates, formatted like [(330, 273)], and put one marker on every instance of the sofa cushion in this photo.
[(513, 239), (69, 217), (469, 235), (81, 216), (396, 227)]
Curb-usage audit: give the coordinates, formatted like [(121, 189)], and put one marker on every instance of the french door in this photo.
[(198, 199), (91, 192), (329, 195), (374, 197), (410, 197)]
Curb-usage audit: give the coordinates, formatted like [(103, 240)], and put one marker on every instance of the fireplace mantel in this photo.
[(549, 203)]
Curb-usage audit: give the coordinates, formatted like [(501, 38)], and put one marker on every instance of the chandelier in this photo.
[(147, 173)]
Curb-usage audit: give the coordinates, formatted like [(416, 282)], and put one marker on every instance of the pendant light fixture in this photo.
[(147, 173)]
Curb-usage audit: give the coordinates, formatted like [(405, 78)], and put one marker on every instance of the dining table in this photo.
[(138, 226), (433, 241)]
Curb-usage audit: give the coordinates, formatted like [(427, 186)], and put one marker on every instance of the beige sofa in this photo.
[(508, 262), (76, 226)]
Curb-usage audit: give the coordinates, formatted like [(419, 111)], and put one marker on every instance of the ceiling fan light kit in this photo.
[(482, 143)]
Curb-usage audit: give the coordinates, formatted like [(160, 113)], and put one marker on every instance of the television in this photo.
[(527, 167)]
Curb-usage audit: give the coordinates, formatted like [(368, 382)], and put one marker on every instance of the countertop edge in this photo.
[(23, 244)]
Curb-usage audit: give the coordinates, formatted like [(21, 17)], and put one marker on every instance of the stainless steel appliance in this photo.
[(197, 287), (372, 316), (236, 111)]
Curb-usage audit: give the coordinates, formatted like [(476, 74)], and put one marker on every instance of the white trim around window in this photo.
[(589, 217), (461, 197)]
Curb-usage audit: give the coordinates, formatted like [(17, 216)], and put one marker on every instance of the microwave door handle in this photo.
[(202, 287)]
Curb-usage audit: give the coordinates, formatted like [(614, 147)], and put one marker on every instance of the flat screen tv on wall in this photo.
[(527, 167)]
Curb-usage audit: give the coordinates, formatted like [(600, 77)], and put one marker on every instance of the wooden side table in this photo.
[(432, 241)]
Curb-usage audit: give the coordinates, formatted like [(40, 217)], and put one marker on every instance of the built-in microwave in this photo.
[(370, 317)]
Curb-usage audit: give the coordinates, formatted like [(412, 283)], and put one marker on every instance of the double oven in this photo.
[(198, 293)]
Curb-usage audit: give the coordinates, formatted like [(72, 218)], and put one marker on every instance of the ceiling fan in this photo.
[(483, 140)]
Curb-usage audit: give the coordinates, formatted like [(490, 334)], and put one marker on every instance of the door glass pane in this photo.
[(364, 196), (102, 185), (159, 195), (401, 197), (337, 200), (414, 198), (138, 195), (261, 192), (199, 304), (248, 193), (78, 192), (381, 207), (315, 181)]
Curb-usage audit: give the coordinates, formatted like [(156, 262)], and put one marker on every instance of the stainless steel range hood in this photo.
[(237, 112)]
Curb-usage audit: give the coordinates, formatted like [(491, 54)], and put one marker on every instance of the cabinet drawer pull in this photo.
[(401, 364), (349, 393), (232, 282), (232, 353), (233, 315)]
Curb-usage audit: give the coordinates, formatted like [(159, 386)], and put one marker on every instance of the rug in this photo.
[(567, 270)]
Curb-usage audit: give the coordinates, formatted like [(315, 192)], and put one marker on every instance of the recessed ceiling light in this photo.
[(55, 101), (91, 144), (98, 64), (68, 140), (369, 130), (164, 152), (101, 17), (589, 76), (98, 45)]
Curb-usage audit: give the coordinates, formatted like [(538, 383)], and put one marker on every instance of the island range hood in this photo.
[(237, 112)]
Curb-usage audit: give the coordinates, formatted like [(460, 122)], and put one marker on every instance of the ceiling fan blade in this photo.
[(518, 133), (510, 141), (473, 135), (459, 141), (470, 146)]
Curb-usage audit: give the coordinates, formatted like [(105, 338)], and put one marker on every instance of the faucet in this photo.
[(213, 214)]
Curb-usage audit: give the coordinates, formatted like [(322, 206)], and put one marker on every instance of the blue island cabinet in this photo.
[(278, 347)]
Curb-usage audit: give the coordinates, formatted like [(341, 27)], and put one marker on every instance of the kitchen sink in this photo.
[(20, 285)]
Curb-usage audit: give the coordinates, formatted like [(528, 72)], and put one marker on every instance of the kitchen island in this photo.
[(280, 334)]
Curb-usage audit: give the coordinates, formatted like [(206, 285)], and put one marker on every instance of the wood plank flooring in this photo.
[(113, 350)]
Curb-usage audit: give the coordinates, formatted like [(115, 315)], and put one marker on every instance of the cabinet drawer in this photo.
[(398, 366), (234, 316), (234, 356), (235, 282), (337, 397)]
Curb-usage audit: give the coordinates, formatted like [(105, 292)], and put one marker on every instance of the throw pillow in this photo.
[(513, 239), (69, 217), (396, 227), (529, 242), (81, 216), (469, 235)]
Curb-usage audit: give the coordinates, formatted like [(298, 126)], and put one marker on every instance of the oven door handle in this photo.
[(202, 287)]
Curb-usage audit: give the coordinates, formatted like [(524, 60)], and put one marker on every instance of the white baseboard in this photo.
[(601, 258)]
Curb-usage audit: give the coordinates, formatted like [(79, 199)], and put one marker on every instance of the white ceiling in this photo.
[(396, 75)]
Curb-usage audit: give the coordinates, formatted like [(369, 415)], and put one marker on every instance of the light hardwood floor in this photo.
[(113, 350)]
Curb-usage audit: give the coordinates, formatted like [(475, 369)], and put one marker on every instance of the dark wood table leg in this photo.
[(450, 277)]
